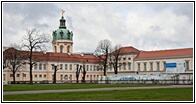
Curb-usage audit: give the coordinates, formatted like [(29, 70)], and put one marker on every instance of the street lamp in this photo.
[(55, 70)]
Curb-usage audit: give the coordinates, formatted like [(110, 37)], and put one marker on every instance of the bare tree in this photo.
[(78, 68), (84, 70), (14, 59), (102, 52), (4, 61), (114, 57), (84, 73), (55, 66), (34, 41)]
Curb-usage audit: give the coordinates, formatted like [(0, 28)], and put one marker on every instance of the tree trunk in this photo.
[(54, 79), (116, 67), (77, 76), (105, 64), (31, 76), (14, 79), (77, 79), (83, 78), (31, 67), (77, 73), (116, 70)]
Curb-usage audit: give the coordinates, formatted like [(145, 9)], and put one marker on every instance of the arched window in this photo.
[(61, 49), (68, 49), (66, 77), (61, 33)]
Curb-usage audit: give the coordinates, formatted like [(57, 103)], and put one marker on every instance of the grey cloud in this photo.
[(185, 9), (91, 22), (44, 25), (69, 22), (155, 28)]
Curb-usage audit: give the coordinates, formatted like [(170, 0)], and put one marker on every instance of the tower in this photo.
[(62, 38)]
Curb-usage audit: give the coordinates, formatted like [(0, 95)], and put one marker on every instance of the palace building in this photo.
[(136, 61)]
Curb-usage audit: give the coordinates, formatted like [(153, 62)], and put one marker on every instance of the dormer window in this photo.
[(54, 34), (68, 35), (61, 33)]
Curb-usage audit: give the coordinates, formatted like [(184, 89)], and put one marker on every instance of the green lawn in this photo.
[(166, 94), (25, 87)]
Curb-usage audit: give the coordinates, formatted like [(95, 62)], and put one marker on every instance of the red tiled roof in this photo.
[(51, 56), (128, 49), (165, 53)]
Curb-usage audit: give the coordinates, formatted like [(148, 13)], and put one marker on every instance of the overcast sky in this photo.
[(145, 26)]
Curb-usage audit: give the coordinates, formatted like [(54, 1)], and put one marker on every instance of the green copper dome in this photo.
[(62, 33)]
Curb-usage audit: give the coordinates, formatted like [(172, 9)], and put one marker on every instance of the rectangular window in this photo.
[(120, 67), (4, 76), (61, 76), (187, 64), (87, 77), (70, 66), (24, 77), (52, 67), (61, 66), (40, 66), (35, 68), (86, 67), (158, 66), (18, 77), (164, 65), (124, 66), (94, 67), (110, 66), (129, 65), (145, 66), (44, 66), (151, 66), (65, 66), (138, 65), (24, 66), (97, 68), (11, 77), (90, 67), (35, 77)]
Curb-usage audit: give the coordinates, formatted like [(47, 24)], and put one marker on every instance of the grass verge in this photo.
[(26, 87), (166, 94)]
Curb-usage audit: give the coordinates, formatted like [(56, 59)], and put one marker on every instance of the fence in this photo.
[(184, 81), (148, 82)]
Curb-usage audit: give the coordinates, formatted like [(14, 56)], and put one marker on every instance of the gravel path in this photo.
[(93, 89)]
